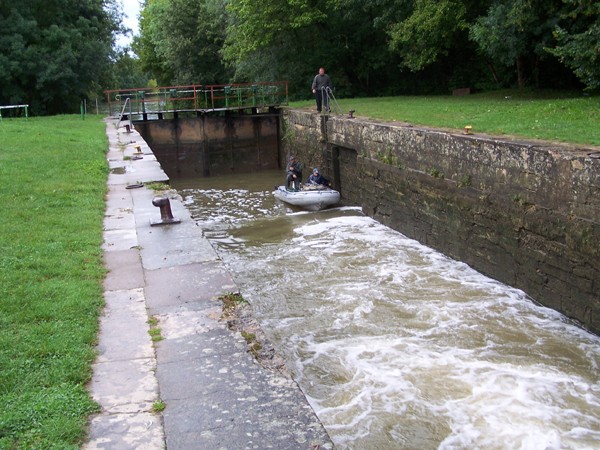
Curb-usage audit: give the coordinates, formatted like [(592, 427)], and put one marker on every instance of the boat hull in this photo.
[(310, 199)]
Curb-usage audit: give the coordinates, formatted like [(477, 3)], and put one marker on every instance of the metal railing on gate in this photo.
[(204, 98)]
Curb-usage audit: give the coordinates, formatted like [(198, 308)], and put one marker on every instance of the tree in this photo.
[(181, 40), (53, 52), (578, 40), (276, 40), (257, 24), (126, 72), (379, 47), (291, 40), (358, 43), (515, 32), (428, 32), (148, 45)]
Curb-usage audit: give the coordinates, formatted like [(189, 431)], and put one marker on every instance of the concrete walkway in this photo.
[(169, 277)]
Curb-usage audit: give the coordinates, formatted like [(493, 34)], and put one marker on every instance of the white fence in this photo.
[(26, 107)]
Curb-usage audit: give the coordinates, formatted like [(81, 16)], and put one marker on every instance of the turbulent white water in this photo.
[(396, 345)]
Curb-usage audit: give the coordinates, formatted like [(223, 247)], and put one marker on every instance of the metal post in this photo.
[(165, 211), (143, 97), (226, 91), (109, 105), (130, 114)]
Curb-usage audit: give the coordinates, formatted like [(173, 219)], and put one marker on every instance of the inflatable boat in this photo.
[(312, 198)]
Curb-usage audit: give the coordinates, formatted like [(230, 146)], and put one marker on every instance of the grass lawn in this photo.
[(53, 173), (547, 115)]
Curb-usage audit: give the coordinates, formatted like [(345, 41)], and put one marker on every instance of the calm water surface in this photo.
[(395, 345)]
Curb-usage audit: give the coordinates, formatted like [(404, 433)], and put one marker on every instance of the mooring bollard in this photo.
[(138, 154), (165, 211)]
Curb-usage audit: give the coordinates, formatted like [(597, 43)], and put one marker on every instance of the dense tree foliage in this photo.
[(126, 72), (291, 40), (578, 39), (54, 52), (428, 32), (181, 40), (517, 32), (391, 46), (273, 39)]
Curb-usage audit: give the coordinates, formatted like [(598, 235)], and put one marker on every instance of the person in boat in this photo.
[(316, 178), (294, 173)]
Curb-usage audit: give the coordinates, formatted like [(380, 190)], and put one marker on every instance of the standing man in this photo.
[(320, 84)]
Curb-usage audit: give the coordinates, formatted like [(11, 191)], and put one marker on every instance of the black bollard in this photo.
[(166, 215)]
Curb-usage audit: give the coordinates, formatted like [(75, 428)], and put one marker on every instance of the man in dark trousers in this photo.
[(320, 84), (294, 174)]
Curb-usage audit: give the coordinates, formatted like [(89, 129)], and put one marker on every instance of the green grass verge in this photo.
[(53, 173), (546, 115)]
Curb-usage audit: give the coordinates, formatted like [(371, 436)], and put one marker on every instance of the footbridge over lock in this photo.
[(204, 130)]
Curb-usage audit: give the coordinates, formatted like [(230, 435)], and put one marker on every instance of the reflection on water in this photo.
[(394, 344)]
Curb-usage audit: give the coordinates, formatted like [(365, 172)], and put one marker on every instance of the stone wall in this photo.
[(524, 213)]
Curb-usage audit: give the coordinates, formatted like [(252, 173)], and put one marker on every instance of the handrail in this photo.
[(203, 98), (327, 94), (123, 112)]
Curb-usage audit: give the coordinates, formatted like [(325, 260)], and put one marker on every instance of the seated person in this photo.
[(317, 178)]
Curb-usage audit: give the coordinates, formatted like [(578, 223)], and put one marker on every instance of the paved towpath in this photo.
[(169, 277)]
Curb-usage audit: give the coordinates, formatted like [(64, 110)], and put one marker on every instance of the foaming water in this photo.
[(394, 344)]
